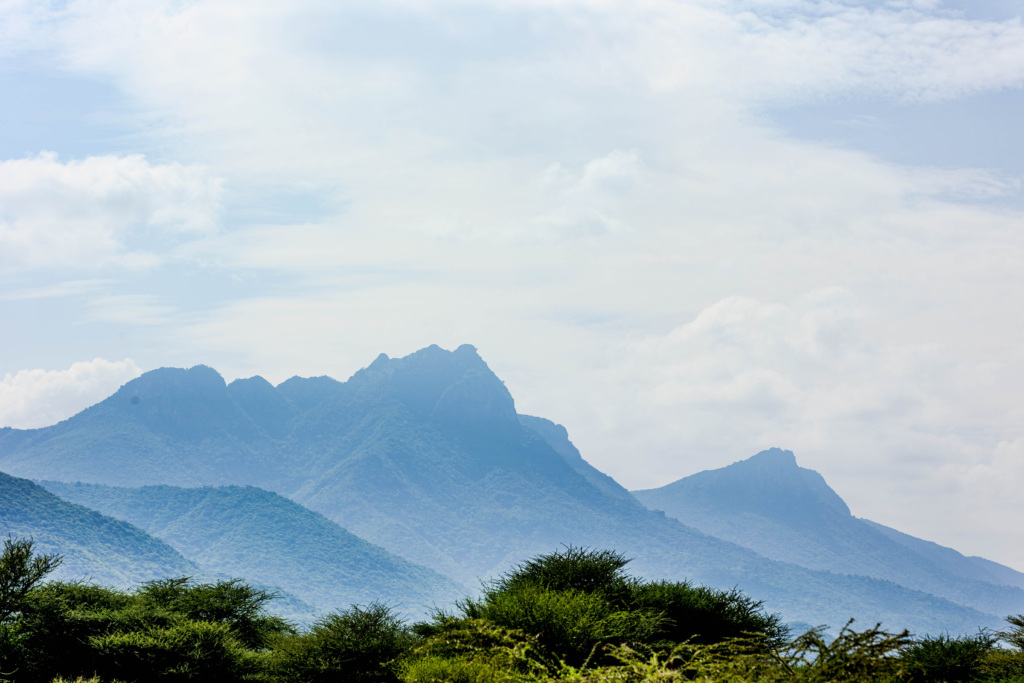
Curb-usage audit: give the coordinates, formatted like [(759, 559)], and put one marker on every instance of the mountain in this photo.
[(161, 427), (427, 457), (771, 505), (94, 547), (261, 537)]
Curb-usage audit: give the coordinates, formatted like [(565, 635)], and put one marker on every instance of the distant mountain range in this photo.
[(251, 533), (426, 457), (771, 505)]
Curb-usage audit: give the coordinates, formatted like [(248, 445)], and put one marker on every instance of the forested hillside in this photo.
[(264, 538), (94, 547)]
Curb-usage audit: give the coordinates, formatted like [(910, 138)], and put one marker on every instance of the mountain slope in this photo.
[(160, 427), (972, 567), (426, 456), (260, 536), (94, 547), (771, 505)]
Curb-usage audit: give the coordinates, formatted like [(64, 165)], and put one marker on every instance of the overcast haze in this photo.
[(687, 230)]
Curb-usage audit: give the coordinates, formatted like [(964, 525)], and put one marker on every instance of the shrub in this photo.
[(570, 624), (706, 615), (468, 650), (572, 569), (360, 644), (1007, 664), (577, 601), (944, 658), (233, 602), (187, 650), (56, 623)]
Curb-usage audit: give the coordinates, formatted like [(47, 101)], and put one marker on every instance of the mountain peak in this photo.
[(776, 458), (184, 403), (454, 386), (769, 484), (197, 377)]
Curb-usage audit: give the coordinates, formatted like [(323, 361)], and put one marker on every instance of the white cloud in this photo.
[(128, 309), (581, 188), (37, 398), (89, 213)]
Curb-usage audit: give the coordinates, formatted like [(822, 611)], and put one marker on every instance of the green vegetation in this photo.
[(576, 601), (572, 616)]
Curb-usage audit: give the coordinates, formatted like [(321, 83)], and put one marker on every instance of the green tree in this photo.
[(361, 644), (576, 601), (20, 571)]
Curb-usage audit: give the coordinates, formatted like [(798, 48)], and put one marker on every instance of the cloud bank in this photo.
[(88, 213), (589, 191), (37, 398)]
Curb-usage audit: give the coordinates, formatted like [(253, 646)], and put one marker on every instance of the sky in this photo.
[(688, 230)]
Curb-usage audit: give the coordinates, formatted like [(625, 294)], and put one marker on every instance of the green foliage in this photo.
[(573, 616), (186, 650), (572, 569), (89, 544), (949, 659), (706, 615), (361, 644), (170, 629), (477, 651), (569, 623), (240, 606), (576, 601), (471, 650), (1007, 663), (20, 571)]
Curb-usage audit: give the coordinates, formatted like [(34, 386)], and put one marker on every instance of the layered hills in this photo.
[(427, 457), (771, 505), (94, 547), (258, 535)]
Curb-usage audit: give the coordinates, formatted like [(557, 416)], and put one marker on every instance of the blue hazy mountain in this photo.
[(785, 512), (95, 547), (426, 457), (259, 536), (160, 427)]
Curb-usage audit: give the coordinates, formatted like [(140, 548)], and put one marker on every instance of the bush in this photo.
[(596, 572), (943, 658), (360, 644), (233, 602), (59, 618), (706, 615), (1007, 664), (187, 650), (578, 601), (468, 650), (570, 624)]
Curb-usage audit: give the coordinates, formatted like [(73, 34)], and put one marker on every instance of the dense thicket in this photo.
[(572, 615)]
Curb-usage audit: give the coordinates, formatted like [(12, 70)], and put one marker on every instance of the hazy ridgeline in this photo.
[(571, 615), (406, 490)]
